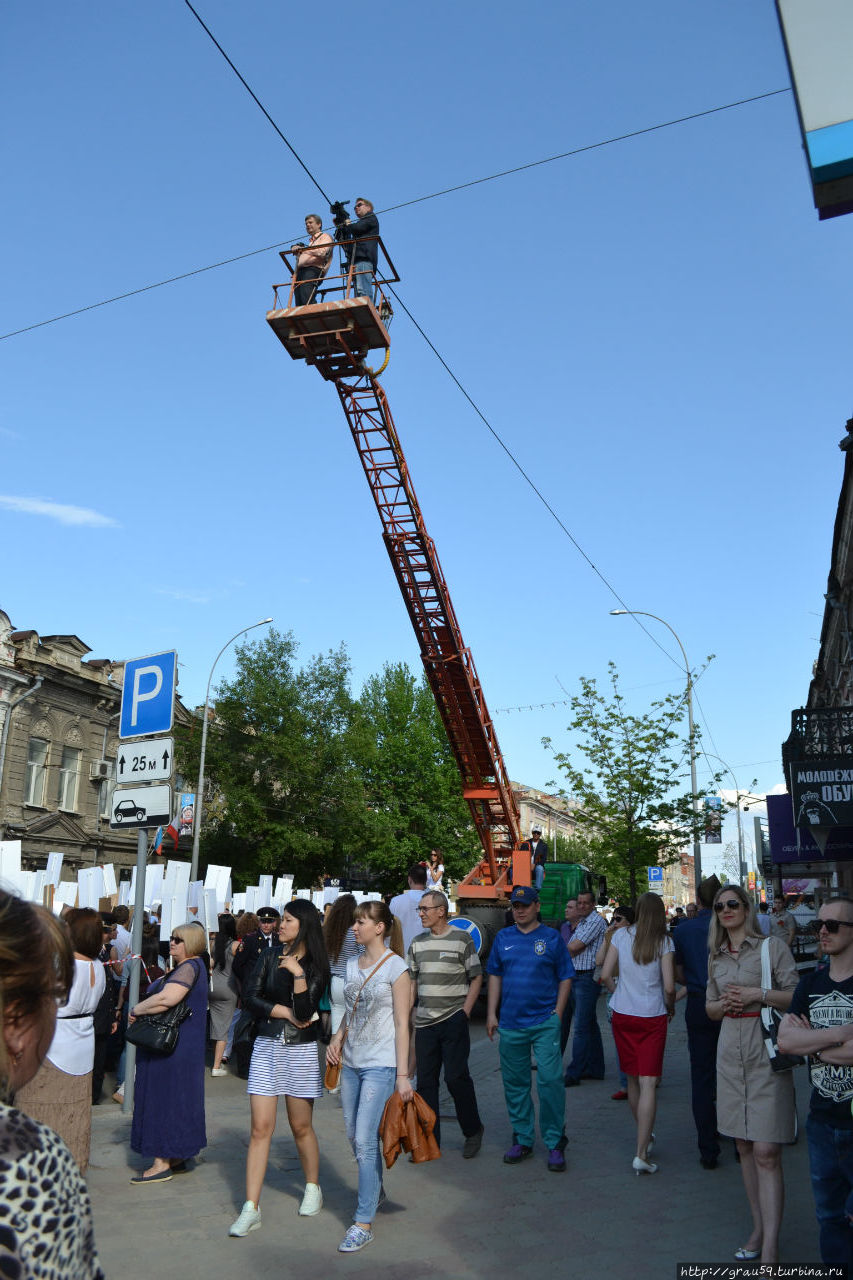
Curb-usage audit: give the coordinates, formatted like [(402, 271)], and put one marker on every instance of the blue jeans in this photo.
[(515, 1046), (364, 1092), (831, 1165), (587, 1047), (362, 281)]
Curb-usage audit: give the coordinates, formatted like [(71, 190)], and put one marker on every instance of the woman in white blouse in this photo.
[(643, 1004)]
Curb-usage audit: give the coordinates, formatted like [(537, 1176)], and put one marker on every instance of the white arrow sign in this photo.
[(148, 761)]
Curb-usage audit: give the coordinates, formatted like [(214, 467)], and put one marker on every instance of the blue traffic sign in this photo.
[(148, 695), (469, 926), (655, 874)]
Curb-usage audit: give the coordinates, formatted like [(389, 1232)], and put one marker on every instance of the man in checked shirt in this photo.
[(587, 1049)]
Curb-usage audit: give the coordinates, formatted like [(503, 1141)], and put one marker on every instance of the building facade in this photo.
[(58, 745)]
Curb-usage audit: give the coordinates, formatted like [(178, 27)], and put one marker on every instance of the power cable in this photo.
[(186, 275), (257, 100)]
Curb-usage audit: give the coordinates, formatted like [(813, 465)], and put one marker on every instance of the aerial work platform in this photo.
[(338, 328)]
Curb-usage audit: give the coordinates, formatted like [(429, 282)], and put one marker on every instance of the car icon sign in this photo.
[(128, 810)]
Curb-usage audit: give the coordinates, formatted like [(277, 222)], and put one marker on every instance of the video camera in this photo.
[(339, 212)]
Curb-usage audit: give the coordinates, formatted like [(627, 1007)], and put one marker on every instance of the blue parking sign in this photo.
[(148, 695), (655, 874)]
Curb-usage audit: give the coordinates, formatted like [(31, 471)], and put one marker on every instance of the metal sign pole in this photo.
[(136, 964)]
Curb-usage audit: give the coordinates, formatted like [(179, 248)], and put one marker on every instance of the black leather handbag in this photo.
[(158, 1033)]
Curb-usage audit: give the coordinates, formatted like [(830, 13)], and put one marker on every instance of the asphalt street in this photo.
[(454, 1217)]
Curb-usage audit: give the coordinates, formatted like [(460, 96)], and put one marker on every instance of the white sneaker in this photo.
[(312, 1201), (219, 1071), (249, 1220)]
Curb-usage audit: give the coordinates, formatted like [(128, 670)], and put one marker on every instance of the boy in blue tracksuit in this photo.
[(530, 975)]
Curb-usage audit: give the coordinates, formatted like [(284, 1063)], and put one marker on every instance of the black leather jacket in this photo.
[(268, 985)]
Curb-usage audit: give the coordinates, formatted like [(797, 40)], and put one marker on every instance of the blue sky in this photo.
[(658, 329)]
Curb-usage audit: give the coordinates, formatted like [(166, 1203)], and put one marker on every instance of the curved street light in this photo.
[(744, 871), (697, 852), (198, 795)]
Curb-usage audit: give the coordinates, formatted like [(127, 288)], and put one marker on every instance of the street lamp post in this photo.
[(697, 852), (198, 794)]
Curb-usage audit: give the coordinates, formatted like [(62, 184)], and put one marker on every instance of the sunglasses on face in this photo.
[(831, 926), (175, 941), (730, 904), (617, 919)]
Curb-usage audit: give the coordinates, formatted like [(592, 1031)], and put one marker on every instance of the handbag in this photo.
[(332, 1076), (158, 1033), (770, 1019)]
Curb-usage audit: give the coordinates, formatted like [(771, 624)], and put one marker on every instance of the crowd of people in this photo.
[(384, 993)]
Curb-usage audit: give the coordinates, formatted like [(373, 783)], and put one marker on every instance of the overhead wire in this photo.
[(393, 208)]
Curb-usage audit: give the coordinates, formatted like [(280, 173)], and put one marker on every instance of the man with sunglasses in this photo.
[(691, 968), (530, 977), (820, 1023)]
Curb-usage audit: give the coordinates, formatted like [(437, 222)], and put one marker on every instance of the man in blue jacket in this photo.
[(691, 960)]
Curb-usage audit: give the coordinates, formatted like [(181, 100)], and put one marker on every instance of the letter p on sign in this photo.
[(148, 695)]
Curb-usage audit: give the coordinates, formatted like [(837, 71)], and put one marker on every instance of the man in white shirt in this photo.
[(405, 905)]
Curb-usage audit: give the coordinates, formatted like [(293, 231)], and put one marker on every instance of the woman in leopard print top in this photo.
[(45, 1216)]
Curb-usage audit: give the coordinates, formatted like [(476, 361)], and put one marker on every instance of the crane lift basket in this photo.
[(335, 335)]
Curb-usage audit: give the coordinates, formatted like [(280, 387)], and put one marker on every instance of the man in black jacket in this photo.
[(364, 254)]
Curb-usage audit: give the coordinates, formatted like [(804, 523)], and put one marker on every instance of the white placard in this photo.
[(252, 902), (90, 883), (302, 893), (265, 891), (27, 885), (208, 910), (153, 883), (238, 903), (40, 882), (283, 891), (166, 918), (10, 864), (176, 881), (124, 892), (329, 895), (317, 899), (65, 895), (109, 874), (54, 868), (194, 889)]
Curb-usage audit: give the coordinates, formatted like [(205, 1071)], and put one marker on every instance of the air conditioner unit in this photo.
[(100, 769)]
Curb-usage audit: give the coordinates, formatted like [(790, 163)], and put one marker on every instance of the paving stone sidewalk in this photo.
[(462, 1219)]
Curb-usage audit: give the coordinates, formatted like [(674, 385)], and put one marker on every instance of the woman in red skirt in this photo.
[(643, 1002)]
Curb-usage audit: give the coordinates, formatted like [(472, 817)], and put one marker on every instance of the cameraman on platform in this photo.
[(364, 254)]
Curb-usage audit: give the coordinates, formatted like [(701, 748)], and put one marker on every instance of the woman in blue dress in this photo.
[(168, 1104)]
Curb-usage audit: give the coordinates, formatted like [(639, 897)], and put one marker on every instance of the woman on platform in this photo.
[(45, 1215), (283, 992), (374, 1038), (168, 1109), (642, 1005), (755, 1104), (60, 1096)]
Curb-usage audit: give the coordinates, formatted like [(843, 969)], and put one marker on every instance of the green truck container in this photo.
[(563, 880)]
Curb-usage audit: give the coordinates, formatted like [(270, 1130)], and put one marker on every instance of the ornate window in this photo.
[(36, 772), (69, 778)]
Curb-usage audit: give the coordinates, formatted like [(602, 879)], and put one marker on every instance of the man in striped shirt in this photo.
[(446, 980)]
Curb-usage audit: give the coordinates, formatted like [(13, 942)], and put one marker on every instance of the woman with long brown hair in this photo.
[(341, 947), (755, 1104), (374, 1041), (46, 1218), (642, 1005)]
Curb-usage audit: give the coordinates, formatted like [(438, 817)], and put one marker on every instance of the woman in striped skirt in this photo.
[(283, 993)]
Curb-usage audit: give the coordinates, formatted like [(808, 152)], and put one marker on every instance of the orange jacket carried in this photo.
[(408, 1126)]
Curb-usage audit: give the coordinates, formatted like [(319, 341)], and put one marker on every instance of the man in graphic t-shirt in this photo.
[(530, 975), (820, 1024)]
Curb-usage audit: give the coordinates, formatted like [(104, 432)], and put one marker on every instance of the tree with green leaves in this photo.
[(285, 794), (410, 781), (626, 773)]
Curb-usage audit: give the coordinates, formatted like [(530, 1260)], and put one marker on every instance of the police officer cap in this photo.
[(268, 913)]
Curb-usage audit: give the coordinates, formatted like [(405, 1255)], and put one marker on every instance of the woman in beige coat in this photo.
[(755, 1105)]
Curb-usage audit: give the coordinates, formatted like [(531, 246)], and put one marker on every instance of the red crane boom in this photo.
[(335, 336)]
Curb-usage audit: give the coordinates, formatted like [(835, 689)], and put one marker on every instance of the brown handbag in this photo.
[(333, 1070)]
